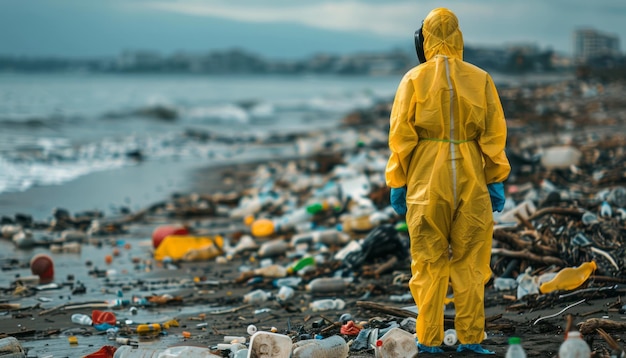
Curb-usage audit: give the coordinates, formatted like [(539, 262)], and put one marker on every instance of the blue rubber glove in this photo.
[(398, 200), (496, 193)]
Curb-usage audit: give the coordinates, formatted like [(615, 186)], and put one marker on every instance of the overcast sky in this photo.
[(286, 28)]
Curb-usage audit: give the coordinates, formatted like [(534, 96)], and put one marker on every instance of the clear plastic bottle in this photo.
[(327, 304), (327, 285), (569, 278), (82, 319), (515, 348), (574, 346), (273, 248), (256, 296), (331, 347)]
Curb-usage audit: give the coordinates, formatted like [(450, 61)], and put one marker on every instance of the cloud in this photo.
[(387, 19), (483, 21)]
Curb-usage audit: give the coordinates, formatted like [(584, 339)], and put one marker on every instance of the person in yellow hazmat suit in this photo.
[(447, 138)]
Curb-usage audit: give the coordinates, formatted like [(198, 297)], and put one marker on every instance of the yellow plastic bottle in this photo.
[(569, 278)]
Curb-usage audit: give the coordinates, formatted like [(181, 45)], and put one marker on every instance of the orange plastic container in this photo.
[(569, 278)]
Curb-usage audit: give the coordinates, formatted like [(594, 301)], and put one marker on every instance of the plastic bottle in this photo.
[(327, 237), (327, 285), (327, 304), (569, 278), (331, 347), (287, 281), (515, 348), (574, 346), (273, 248), (148, 328), (82, 319), (271, 271), (396, 343), (285, 293), (449, 337), (256, 296)]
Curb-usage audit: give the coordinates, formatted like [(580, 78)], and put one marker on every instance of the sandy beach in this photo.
[(205, 297)]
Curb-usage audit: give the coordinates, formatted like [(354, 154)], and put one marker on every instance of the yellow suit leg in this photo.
[(430, 267), (471, 235)]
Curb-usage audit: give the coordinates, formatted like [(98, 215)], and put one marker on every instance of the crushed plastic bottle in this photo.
[(263, 343), (83, 319), (10, 347), (569, 278), (574, 346), (396, 343), (504, 283)]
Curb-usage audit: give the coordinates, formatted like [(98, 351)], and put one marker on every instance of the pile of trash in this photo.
[(316, 233)]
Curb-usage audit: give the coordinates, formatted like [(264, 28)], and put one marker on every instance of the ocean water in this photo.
[(55, 128)]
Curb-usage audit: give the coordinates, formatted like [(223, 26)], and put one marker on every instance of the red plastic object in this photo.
[(350, 329), (104, 352), (99, 317), (165, 230), (42, 266)]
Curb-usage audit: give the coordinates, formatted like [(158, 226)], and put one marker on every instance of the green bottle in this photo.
[(300, 264)]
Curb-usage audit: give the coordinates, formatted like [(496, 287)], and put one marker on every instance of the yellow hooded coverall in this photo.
[(447, 137)]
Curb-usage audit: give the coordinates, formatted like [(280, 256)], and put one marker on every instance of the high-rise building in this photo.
[(590, 43)]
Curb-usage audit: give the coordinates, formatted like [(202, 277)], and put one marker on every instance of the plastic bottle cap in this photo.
[(515, 340), (379, 343)]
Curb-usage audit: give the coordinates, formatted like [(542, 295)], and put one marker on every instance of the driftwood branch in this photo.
[(575, 212), (398, 312), (70, 306), (590, 325), (526, 254)]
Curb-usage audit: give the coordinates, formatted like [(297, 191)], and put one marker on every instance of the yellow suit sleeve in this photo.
[(493, 140), (402, 135)]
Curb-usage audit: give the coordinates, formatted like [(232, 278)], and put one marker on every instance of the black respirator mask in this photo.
[(419, 44)]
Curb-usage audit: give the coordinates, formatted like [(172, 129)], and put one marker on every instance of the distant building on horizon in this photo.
[(590, 43)]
